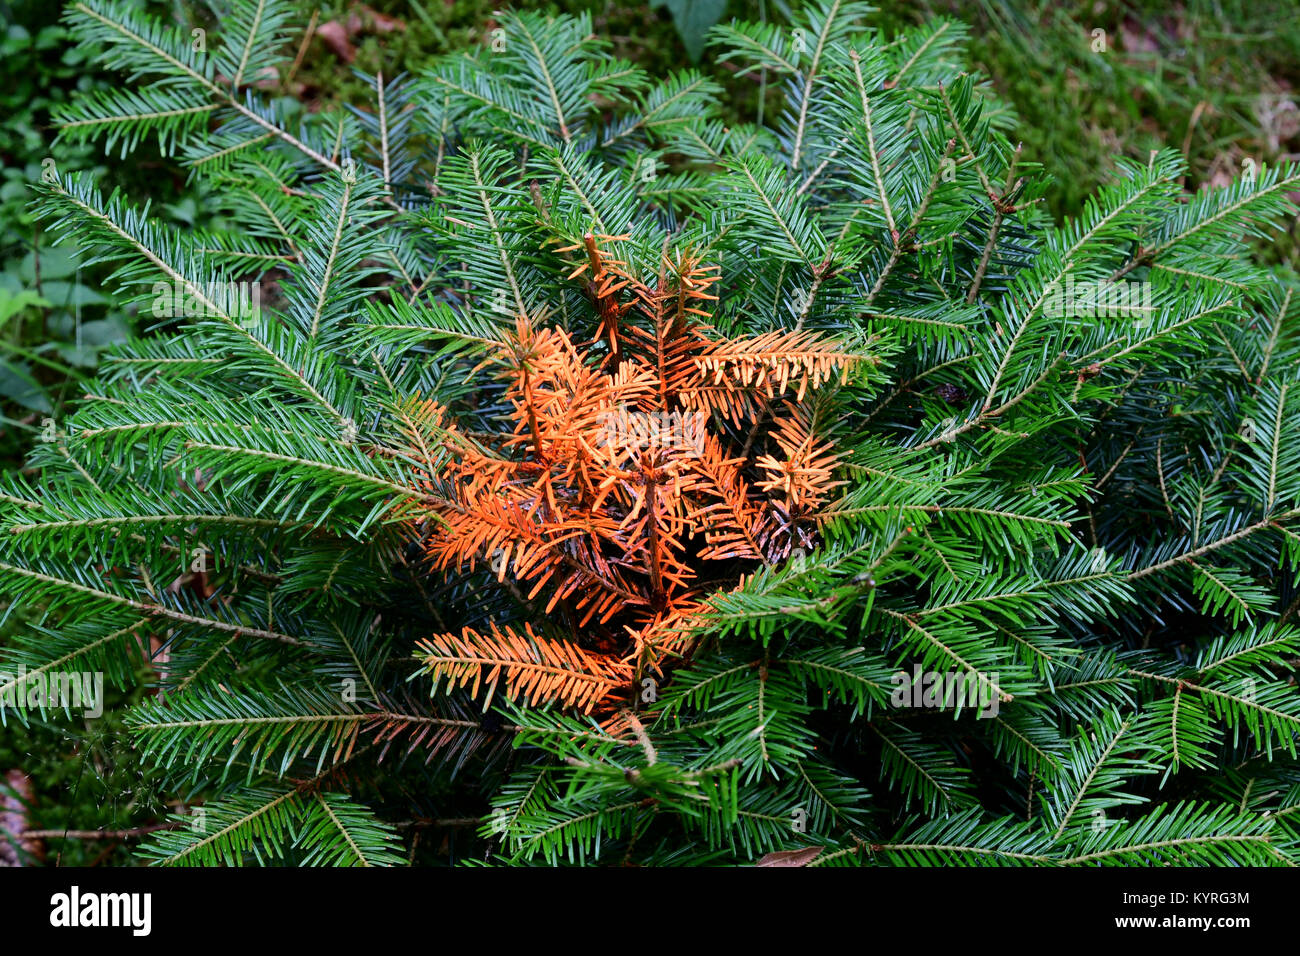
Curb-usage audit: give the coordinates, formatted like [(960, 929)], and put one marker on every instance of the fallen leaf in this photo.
[(379, 22), (16, 799), (336, 37), (791, 857)]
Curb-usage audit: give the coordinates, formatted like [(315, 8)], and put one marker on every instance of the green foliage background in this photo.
[(1078, 111)]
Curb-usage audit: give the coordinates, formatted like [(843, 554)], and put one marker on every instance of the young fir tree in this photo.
[(593, 470)]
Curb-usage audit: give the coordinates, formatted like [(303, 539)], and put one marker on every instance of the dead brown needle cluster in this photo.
[(634, 475)]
